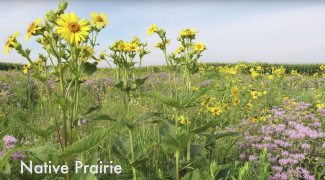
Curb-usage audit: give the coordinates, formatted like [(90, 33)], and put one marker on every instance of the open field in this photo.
[(283, 113)]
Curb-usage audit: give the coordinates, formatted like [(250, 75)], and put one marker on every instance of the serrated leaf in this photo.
[(50, 129), (63, 102), (90, 68), (118, 154), (6, 155), (225, 134), (5, 174), (35, 130), (195, 150), (90, 141), (203, 128), (146, 116), (140, 82), (90, 110), (48, 149), (81, 175), (3, 133), (175, 142), (194, 96), (198, 174), (161, 98), (100, 117)]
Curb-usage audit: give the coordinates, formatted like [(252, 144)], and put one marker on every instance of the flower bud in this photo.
[(41, 56), (59, 12), (145, 44), (38, 40), (48, 48), (27, 51), (163, 33), (17, 46), (178, 38), (63, 5), (50, 16)]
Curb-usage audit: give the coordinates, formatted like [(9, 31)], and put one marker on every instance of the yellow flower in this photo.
[(236, 102), (2, 115), (182, 119), (263, 118), (132, 47), (152, 29), (102, 54), (88, 51), (26, 67), (188, 32), (264, 92), (217, 85), (319, 105), (253, 119), (99, 20), (199, 46), (135, 39), (216, 110), (9, 42), (33, 26), (234, 91), (158, 45), (180, 49), (153, 144), (122, 46), (200, 111), (270, 77), (72, 30)]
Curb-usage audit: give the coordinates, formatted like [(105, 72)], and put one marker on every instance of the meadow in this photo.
[(185, 120)]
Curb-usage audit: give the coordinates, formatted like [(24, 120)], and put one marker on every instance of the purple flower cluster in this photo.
[(10, 141), (292, 134)]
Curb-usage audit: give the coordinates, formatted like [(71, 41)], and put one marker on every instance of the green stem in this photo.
[(132, 154), (53, 114), (177, 164)]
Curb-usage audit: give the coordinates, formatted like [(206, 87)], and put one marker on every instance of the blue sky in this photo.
[(251, 31)]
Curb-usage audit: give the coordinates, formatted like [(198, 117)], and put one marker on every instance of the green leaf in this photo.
[(175, 142), (48, 149), (157, 121), (225, 134), (35, 130), (146, 116), (5, 174), (3, 133), (195, 150), (198, 174), (90, 141), (194, 69), (76, 74), (140, 82), (203, 128), (124, 145), (166, 128), (50, 129), (119, 85), (161, 98), (118, 154), (63, 102), (100, 117), (6, 155), (90, 110), (81, 175), (90, 68), (194, 96)]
